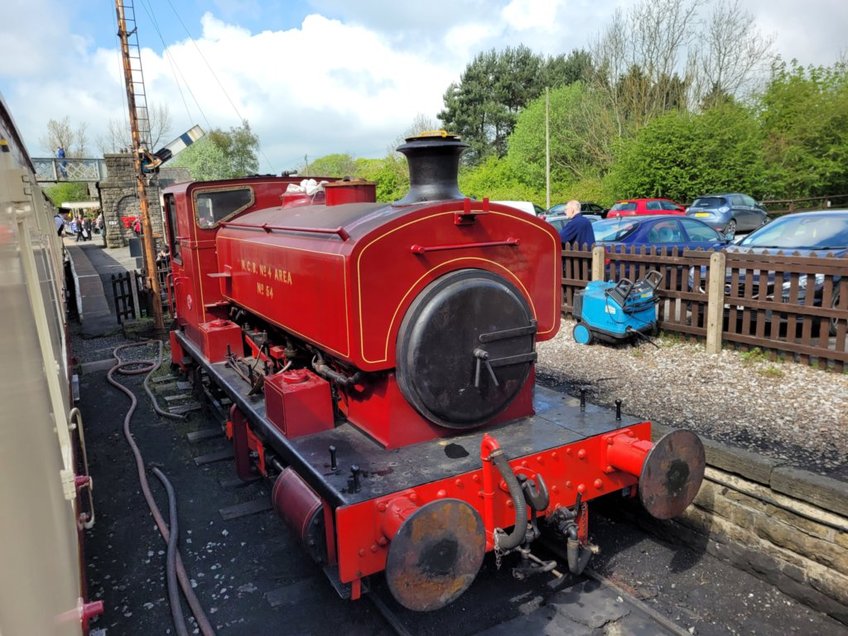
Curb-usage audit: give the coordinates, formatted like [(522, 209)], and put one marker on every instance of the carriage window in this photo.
[(214, 206), (171, 216)]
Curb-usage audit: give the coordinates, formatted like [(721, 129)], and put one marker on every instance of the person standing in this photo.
[(59, 222), (80, 228), (578, 230), (63, 165), (86, 227)]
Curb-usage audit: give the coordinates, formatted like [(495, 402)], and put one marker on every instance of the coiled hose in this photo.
[(137, 367)]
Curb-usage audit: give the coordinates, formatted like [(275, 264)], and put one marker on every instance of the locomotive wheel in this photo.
[(435, 555), (465, 348), (672, 474)]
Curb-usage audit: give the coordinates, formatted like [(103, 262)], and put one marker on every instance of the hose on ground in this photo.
[(171, 560), (153, 401), (137, 367)]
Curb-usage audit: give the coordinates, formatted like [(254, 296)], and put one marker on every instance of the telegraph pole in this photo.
[(138, 151), (547, 148)]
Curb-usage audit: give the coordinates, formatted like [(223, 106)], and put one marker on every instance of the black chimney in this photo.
[(433, 167)]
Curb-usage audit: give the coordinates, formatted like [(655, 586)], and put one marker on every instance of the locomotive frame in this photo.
[(419, 462)]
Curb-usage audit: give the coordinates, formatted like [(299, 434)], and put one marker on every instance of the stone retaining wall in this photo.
[(782, 524)]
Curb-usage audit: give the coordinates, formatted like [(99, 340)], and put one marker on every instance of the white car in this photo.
[(524, 206)]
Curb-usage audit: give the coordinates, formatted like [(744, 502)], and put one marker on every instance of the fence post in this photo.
[(715, 301), (134, 290), (598, 256)]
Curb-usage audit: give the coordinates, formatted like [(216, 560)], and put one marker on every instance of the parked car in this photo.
[(586, 208), (728, 213), (662, 230), (622, 235), (559, 220), (807, 234), (636, 207), (525, 206)]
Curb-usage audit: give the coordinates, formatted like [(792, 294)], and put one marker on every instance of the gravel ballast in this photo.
[(785, 410)]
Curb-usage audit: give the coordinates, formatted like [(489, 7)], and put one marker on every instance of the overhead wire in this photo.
[(175, 68), (217, 80)]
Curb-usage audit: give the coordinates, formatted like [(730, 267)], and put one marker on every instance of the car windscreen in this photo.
[(801, 232), (709, 202), (613, 230), (624, 205)]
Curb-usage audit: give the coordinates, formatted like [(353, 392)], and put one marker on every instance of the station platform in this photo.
[(92, 267)]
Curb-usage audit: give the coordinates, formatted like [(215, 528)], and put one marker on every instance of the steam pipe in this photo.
[(491, 452), (516, 537), (322, 369), (578, 556)]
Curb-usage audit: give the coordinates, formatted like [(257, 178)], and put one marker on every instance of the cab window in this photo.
[(171, 216), (214, 206)]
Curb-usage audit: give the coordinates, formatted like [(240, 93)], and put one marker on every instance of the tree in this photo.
[(804, 115), (484, 105), (579, 146), (563, 70), (222, 154), (117, 136), (390, 174), (61, 133), (67, 191), (336, 165), (682, 155), (639, 59), (732, 50)]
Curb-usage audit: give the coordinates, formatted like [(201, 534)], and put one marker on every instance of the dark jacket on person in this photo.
[(578, 230)]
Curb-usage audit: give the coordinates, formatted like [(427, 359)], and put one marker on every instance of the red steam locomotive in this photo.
[(380, 363)]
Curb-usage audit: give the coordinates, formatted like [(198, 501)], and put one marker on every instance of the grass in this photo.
[(753, 356), (757, 356), (671, 338), (771, 371)]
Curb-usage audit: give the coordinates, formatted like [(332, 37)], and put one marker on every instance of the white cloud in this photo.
[(524, 15), (348, 83)]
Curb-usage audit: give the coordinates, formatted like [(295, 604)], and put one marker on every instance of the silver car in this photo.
[(728, 213)]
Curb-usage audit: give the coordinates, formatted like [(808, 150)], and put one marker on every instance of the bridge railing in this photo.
[(48, 169)]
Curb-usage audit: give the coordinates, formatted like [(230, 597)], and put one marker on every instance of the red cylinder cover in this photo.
[(342, 277)]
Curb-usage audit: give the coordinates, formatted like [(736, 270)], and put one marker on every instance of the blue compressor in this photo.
[(613, 312)]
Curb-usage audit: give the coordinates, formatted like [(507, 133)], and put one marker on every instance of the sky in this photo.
[(313, 77)]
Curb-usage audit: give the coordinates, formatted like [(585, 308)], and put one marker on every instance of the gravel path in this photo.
[(784, 410)]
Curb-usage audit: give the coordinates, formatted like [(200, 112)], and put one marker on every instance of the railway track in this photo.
[(587, 604)]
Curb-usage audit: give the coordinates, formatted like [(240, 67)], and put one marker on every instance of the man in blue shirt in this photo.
[(578, 230)]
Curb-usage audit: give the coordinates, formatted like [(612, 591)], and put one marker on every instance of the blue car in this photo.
[(728, 212), (627, 233), (662, 230)]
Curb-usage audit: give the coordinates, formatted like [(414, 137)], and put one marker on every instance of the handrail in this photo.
[(421, 249), (339, 231)]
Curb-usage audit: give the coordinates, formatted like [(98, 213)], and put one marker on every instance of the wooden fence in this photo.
[(751, 300), (132, 295)]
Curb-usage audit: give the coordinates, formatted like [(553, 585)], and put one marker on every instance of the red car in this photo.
[(634, 207)]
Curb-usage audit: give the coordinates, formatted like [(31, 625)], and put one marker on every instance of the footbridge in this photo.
[(55, 169)]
